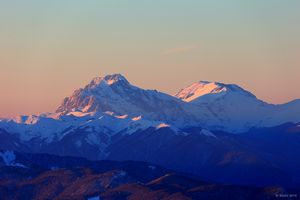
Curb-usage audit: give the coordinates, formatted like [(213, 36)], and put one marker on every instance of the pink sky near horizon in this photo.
[(40, 96)]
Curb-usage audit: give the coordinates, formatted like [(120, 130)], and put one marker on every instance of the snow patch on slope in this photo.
[(199, 89), (207, 133), (9, 159), (162, 125)]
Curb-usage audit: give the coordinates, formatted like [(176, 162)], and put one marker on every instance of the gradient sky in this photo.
[(50, 48)]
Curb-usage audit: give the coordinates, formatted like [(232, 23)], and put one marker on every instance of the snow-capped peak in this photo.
[(113, 93), (89, 98), (204, 88), (108, 80)]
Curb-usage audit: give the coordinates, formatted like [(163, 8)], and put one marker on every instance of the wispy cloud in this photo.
[(178, 50)]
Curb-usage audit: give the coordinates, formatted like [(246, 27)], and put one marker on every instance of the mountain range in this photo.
[(43, 176), (216, 131)]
